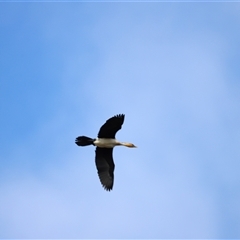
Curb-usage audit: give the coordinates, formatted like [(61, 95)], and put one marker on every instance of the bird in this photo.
[(105, 142)]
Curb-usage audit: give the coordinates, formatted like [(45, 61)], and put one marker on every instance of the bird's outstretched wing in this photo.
[(105, 166), (111, 126)]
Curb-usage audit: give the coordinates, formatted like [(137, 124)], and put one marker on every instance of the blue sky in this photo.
[(172, 68)]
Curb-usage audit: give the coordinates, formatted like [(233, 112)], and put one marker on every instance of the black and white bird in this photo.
[(105, 142)]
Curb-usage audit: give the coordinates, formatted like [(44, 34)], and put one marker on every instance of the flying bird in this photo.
[(105, 142)]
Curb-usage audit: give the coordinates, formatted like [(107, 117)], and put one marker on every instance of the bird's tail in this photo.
[(84, 141)]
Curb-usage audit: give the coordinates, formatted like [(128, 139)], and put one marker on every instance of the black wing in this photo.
[(111, 126), (105, 167)]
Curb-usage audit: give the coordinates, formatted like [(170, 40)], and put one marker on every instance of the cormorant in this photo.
[(105, 142)]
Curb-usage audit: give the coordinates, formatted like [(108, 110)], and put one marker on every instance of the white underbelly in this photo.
[(106, 142)]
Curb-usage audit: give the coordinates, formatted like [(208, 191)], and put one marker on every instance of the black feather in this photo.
[(84, 141), (111, 126), (105, 166)]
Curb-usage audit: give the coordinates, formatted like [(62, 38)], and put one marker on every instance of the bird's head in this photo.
[(130, 145)]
